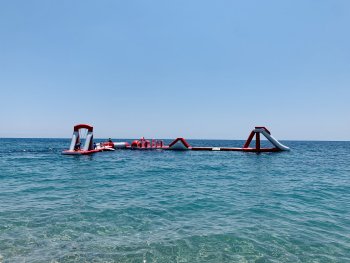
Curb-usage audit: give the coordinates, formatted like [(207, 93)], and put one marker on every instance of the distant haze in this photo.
[(164, 69)]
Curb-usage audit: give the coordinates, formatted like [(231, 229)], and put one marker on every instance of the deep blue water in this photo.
[(164, 206)]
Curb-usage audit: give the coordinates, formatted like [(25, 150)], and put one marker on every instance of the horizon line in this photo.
[(105, 138)]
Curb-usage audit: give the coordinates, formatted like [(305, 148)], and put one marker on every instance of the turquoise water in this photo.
[(164, 206)]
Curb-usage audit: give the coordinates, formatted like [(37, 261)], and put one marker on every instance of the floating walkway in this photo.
[(179, 144)]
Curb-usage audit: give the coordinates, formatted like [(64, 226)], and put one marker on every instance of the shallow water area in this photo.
[(166, 206)]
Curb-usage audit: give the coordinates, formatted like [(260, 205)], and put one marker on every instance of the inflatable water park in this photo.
[(82, 143)]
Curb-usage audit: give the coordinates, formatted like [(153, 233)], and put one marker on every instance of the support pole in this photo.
[(257, 141), (250, 138)]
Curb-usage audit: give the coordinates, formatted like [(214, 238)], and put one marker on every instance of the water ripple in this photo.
[(133, 206)]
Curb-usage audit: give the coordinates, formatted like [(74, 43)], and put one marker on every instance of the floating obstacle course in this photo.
[(179, 144)]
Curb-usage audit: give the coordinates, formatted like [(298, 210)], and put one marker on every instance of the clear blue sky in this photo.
[(198, 69)]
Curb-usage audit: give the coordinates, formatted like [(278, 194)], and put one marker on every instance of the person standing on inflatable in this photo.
[(77, 146)]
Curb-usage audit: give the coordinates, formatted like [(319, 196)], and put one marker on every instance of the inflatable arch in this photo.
[(75, 145)]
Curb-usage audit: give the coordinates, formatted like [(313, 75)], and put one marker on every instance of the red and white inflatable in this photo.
[(146, 144), (82, 132), (179, 144), (246, 147)]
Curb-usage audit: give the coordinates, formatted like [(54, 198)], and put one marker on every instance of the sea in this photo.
[(170, 206)]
